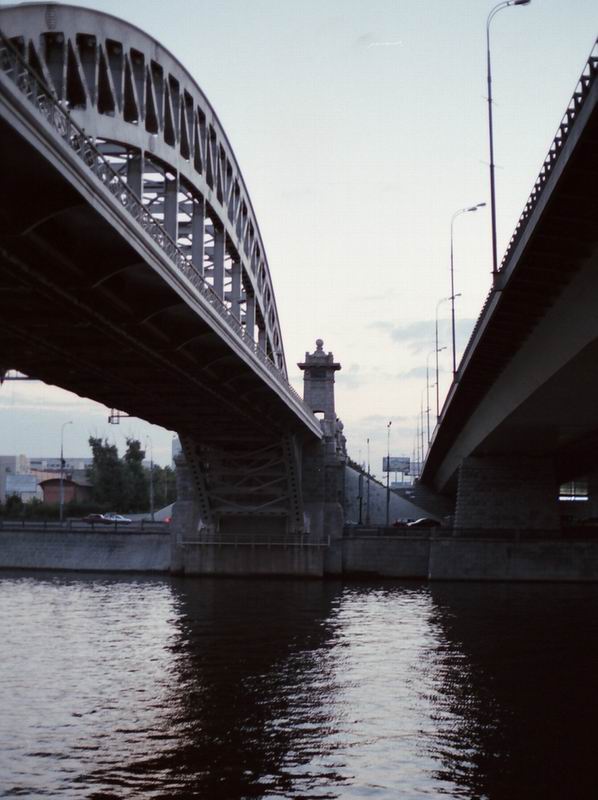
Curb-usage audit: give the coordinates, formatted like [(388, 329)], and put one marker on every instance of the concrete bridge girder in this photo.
[(524, 393), (543, 402)]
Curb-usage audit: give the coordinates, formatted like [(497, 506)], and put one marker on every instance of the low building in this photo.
[(78, 491)]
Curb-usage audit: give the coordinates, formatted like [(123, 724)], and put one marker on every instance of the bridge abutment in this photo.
[(508, 493)]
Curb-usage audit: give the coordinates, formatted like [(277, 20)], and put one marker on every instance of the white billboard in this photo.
[(396, 464)]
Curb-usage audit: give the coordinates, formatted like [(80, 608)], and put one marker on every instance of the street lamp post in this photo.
[(421, 411), (453, 218), (388, 473), (491, 16), (431, 353), (367, 508), (64, 424), (437, 350), (151, 480)]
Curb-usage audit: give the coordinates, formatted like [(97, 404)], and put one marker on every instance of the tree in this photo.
[(164, 486), (135, 478), (106, 475), (122, 484)]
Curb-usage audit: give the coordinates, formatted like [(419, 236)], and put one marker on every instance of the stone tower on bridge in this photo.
[(324, 462)]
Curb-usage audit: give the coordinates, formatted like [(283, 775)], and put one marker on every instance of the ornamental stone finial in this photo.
[(318, 381)]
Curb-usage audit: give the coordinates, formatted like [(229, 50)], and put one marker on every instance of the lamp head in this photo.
[(521, 2)]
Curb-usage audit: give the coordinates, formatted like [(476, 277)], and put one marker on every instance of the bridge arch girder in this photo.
[(156, 127)]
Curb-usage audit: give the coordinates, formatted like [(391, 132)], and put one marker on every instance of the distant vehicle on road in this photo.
[(424, 522), (117, 519), (94, 518)]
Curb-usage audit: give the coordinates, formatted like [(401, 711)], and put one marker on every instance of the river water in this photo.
[(169, 688)]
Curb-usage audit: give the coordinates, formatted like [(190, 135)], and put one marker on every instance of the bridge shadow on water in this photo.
[(515, 673), (251, 663)]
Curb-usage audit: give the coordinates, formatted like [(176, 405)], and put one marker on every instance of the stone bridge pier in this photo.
[(324, 462), (276, 508)]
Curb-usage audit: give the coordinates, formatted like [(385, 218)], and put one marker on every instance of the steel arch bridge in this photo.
[(116, 124), (156, 129)]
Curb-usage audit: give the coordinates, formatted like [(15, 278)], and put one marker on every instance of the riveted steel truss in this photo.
[(259, 480), (157, 132)]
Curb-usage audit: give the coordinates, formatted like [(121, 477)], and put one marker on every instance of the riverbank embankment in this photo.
[(379, 553)]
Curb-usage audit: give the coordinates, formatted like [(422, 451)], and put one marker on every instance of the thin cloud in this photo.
[(368, 40), (395, 43), (418, 336)]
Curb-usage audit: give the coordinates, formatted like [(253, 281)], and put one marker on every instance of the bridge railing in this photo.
[(582, 90), (253, 540), (79, 526), (57, 115)]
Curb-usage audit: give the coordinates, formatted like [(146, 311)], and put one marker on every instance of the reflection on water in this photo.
[(158, 688), (518, 675)]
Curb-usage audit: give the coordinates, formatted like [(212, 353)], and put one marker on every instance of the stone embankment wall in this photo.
[(483, 559), (245, 559), (399, 507), (389, 556), (93, 550)]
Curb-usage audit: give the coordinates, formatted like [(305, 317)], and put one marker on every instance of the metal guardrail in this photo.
[(56, 114), (580, 93), (257, 540), (382, 532), (78, 526), (564, 534)]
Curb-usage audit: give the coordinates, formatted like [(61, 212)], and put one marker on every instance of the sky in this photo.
[(360, 127)]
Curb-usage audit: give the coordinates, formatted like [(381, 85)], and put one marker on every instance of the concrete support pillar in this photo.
[(197, 234), (171, 207), (219, 239), (589, 509), (186, 518), (507, 492)]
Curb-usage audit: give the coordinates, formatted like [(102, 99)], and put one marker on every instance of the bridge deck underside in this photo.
[(558, 418), (81, 309)]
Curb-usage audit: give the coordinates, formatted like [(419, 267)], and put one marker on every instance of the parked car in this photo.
[(424, 522), (94, 518), (116, 519)]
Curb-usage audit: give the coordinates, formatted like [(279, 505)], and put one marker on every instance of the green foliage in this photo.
[(164, 480), (106, 474), (135, 480), (123, 484), (13, 506)]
